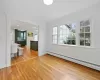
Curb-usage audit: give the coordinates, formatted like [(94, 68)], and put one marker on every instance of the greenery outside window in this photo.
[(67, 34), (85, 33)]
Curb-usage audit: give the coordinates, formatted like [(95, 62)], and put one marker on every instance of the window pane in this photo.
[(36, 37), (87, 29), (87, 44), (82, 35), (73, 42), (71, 36), (61, 37), (69, 41), (67, 34), (87, 40), (61, 41), (65, 31), (24, 35), (87, 35), (61, 31), (74, 26), (85, 23), (63, 27), (82, 42), (82, 30), (55, 30), (54, 37)]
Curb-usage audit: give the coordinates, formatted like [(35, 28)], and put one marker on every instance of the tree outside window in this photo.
[(67, 34)]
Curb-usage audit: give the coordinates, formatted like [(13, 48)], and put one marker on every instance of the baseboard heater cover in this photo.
[(88, 64)]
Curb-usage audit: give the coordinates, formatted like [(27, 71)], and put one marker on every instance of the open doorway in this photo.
[(24, 41)]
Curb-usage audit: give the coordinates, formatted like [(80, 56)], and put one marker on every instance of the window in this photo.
[(67, 34), (21, 35), (85, 34), (35, 37), (54, 35)]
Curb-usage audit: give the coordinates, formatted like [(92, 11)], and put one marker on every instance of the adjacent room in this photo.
[(49, 40), (24, 41)]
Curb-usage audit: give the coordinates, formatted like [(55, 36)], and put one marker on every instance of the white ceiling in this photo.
[(24, 26), (36, 9)]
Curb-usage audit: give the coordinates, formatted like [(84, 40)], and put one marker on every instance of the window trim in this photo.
[(90, 25), (54, 35), (77, 34), (65, 34)]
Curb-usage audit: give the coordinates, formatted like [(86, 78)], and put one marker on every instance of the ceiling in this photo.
[(24, 26), (36, 9)]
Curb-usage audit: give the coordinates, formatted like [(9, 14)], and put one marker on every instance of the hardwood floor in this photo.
[(27, 54), (48, 68)]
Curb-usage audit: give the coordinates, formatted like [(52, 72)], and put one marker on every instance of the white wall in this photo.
[(42, 38), (91, 54), (2, 40), (8, 40)]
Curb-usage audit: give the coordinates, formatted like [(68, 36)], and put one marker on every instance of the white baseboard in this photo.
[(90, 65), (2, 66)]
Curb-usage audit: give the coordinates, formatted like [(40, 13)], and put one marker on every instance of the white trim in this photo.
[(77, 35), (87, 64), (67, 45), (54, 35)]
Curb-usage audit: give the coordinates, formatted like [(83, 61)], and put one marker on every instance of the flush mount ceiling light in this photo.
[(48, 2)]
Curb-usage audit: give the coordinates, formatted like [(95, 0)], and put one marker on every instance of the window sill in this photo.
[(66, 45)]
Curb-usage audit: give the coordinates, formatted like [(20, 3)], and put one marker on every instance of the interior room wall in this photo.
[(3, 38), (87, 54)]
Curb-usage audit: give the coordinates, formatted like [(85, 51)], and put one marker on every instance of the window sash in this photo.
[(85, 33), (55, 35)]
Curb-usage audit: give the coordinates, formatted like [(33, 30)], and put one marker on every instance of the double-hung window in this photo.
[(85, 33), (54, 35), (67, 34)]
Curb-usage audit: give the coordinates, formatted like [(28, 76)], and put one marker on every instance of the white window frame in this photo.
[(54, 35), (77, 32), (84, 32)]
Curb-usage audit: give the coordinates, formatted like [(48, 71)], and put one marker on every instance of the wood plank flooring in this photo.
[(48, 68), (27, 54)]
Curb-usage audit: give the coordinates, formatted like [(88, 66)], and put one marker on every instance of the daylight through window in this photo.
[(67, 34), (54, 35)]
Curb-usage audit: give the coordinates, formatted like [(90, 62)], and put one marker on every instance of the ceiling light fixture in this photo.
[(48, 2)]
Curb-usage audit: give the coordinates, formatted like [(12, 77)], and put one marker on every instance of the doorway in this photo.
[(24, 42)]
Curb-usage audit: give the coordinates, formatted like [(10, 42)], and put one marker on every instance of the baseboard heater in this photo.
[(85, 63)]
